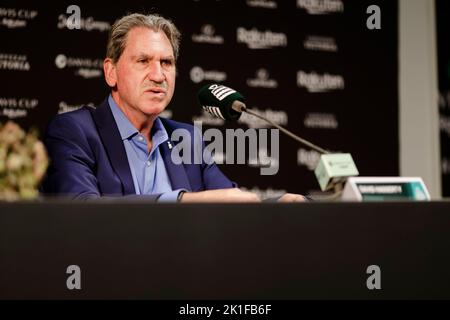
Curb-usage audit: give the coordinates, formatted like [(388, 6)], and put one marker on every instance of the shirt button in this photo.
[(141, 138), (149, 163)]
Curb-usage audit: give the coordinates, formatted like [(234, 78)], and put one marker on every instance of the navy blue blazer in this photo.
[(88, 158)]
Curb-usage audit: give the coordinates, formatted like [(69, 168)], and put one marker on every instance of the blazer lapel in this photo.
[(176, 172), (113, 143)]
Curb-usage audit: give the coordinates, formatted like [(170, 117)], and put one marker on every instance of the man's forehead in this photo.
[(133, 43), (145, 32)]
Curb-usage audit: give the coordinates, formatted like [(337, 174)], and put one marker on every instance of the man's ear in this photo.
[(110, 70)]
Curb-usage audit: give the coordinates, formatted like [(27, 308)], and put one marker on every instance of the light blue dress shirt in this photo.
[(147, 168)]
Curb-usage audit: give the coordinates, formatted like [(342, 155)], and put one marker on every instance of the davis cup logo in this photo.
[(61, 61), (83, 67)]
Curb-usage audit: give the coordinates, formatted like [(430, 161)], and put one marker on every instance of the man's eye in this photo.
[(142, 60), (166, 62)]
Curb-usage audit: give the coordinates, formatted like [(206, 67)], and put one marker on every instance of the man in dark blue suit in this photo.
[(122, 147)]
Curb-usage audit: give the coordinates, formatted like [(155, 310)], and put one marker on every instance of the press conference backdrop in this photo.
[(443, 27), (310, 65)]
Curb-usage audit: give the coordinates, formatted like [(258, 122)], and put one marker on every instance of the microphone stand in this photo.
[(289, 133), (337, 187)]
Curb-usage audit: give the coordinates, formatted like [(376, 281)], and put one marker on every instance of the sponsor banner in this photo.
[(86, 24), (14, 62), (208, 119), (252, 55), (445, 166), (16, 18), (261, 159), (444, 100), (308, 158), (64, 107), (316, 120), (321, 7), (166, 114), (207, 35), (262, 80), (83, 67), (317, 83), (256, 39), (444, 124), (443, 54), (267, 4), (17, 107), (320, 43), (198, 74), (278, 117)]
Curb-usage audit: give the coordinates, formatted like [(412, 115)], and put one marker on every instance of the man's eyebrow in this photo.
[(168, 58), (145, 55), (141, 55)]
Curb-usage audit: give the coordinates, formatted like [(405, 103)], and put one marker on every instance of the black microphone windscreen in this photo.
[(217, 99)]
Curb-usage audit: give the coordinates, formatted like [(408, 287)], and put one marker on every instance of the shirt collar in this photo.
[(159, 133), (127, 130)]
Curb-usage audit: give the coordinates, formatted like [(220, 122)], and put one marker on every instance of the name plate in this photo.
[(385, 189)]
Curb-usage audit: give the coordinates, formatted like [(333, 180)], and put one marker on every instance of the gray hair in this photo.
[(119, 31)]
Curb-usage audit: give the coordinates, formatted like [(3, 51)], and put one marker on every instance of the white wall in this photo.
[(419, 113)]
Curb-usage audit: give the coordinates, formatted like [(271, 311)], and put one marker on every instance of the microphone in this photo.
[(222, 102), (228, 104)]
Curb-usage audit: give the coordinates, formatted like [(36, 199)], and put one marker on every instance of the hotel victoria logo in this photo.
[(15, 62)]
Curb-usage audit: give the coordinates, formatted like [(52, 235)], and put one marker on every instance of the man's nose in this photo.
[(155, 72)]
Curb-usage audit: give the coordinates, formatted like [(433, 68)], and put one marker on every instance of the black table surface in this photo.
[(141, 250)]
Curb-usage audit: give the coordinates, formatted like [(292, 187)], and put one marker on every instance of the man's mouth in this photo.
[(156, 90)]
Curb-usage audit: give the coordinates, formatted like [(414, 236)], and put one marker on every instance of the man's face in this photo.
[(145, 72)]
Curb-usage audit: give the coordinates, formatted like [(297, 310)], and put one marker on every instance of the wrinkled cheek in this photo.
[(121, 86), (131, 90), (171, 90)]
